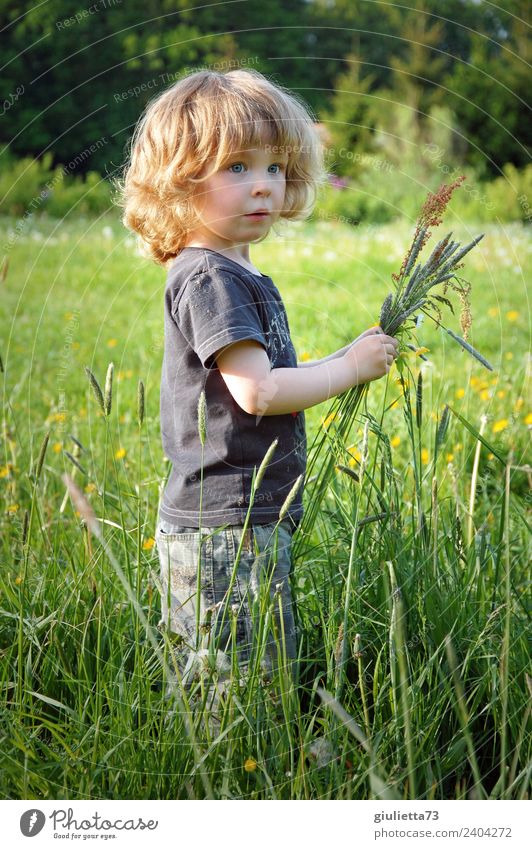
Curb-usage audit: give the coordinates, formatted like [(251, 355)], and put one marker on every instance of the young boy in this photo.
[(216, 160)]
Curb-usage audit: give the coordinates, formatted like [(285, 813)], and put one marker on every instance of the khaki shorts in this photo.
[(231, 607)]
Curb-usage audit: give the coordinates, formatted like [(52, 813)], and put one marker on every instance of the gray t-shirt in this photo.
[(211, 301)]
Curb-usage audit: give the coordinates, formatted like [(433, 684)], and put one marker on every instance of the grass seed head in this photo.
[(4, 268), (96, 388), (108, 394), (348, 471), (442, 427), (42, 454), (290, 498), (82, 505), (77, 443), (357, 648), (263, 466), (75, 462), (385, 312), (140, 403), (469, 348), (202, 429), (419, 400), (338, 648)]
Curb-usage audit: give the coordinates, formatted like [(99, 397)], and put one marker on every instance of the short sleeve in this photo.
[(215, 309)]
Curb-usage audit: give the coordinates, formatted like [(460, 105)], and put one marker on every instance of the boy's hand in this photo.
[(371, 355), (371, 331)]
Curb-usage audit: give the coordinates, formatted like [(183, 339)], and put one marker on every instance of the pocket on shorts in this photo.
[(180, 552), (179, 555)]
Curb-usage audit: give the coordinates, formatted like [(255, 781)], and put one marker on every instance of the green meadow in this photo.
[(425, 693)]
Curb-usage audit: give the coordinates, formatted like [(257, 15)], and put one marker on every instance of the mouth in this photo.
[(260, 213)]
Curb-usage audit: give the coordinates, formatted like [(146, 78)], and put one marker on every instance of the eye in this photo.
[(236, 165), (280, 166)]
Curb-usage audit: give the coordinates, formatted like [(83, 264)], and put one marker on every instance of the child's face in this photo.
[(252, 180)]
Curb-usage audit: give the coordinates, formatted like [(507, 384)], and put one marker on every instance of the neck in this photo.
[(238, 252)]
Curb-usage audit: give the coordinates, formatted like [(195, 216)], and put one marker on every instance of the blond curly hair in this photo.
[(202, 120)]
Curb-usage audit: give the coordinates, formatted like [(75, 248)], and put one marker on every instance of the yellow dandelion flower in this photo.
[(12, 508), (83, 412), (450, 458), (420, 351), (493, 312), (458, 446), (501, 393), (459, 393), (519, 403), (305, 356), (91, 487), (326, 422), (250, 764), (112, 343), (512, 315), (395, 403), (509, 355), (491, 456), (129, 372), (57, 417), (148, 544), (473, 380), (18, 580), (120, 453), (5, 471), (355, 454), (395, 441), (75, 346), (57, 446), (528, 419), (424, 456), (434, 416), (485, 394), (500, 425), (68, 316)]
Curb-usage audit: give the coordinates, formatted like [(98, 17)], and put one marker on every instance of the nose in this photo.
[(259, 186), (260, 190)]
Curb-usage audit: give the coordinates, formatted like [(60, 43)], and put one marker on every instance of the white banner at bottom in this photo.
[(227, 824)]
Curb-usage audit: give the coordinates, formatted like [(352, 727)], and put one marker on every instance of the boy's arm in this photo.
[(262, 391), (310, 363)]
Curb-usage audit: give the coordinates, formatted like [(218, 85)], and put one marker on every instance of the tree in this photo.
[(348, 118), (79, 79), (490, 93)]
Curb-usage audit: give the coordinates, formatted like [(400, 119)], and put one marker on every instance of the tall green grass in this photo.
[(413, 634)]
